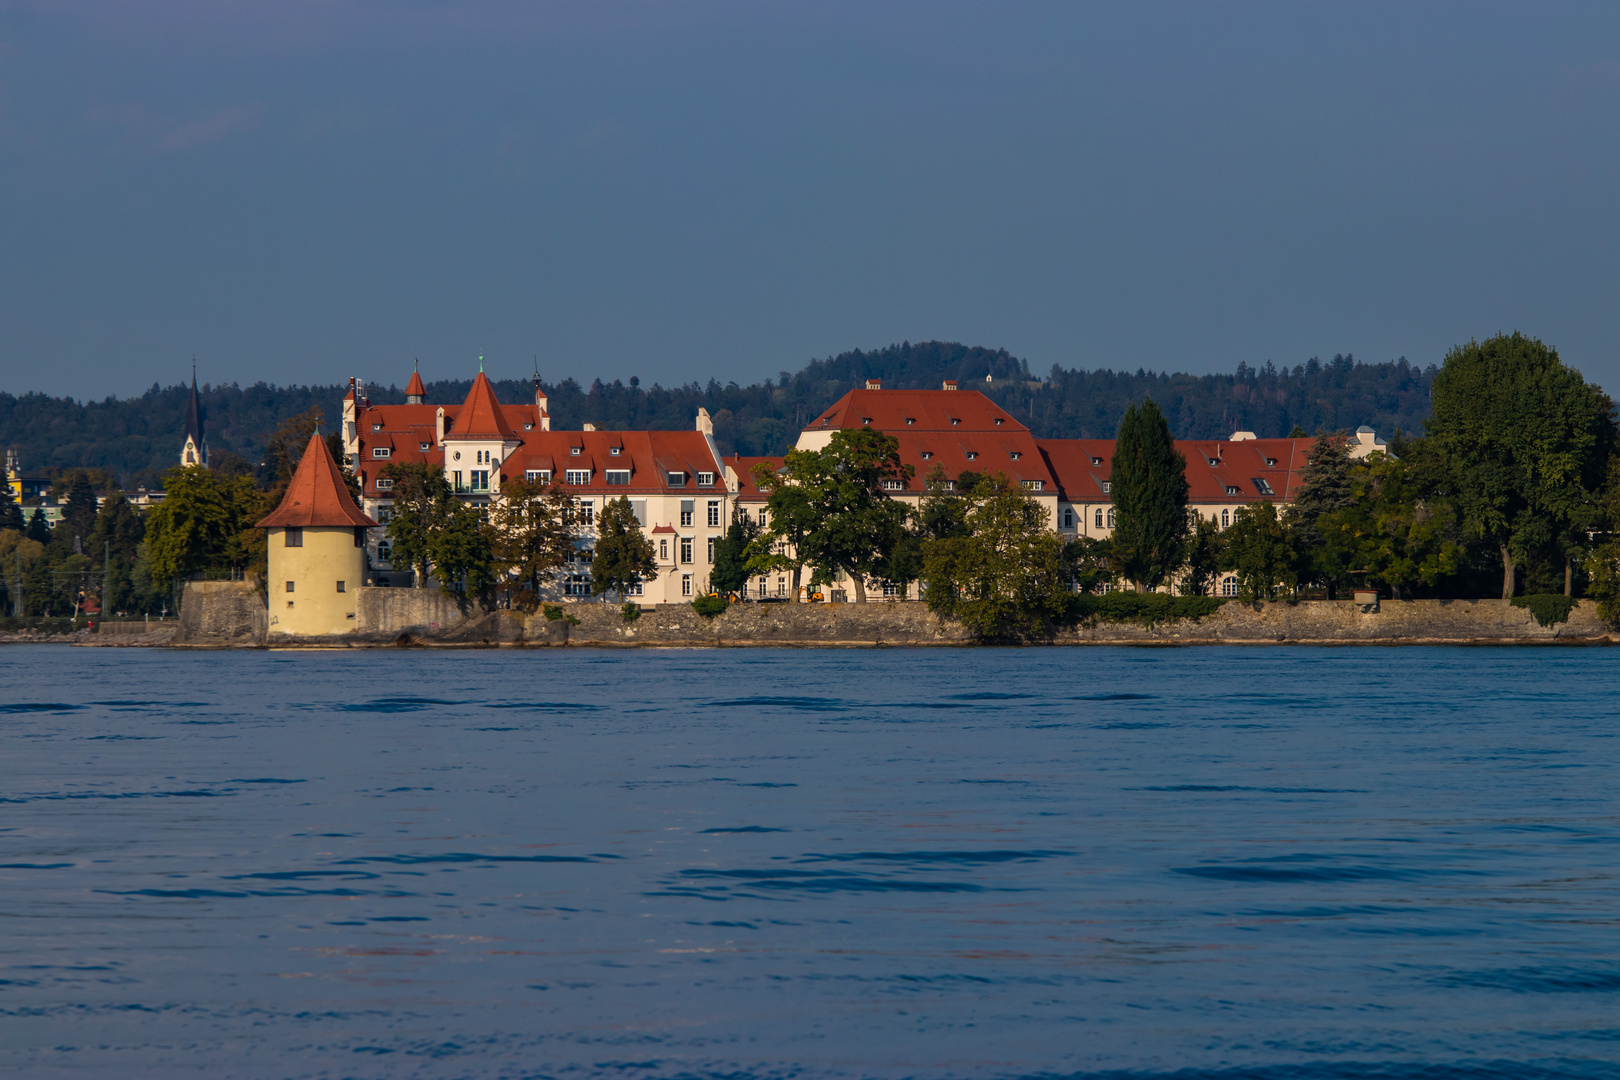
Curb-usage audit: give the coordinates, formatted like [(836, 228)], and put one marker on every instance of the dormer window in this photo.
[(1108, 487), (613, 451), (910, 420), (573, 451), (1015, 454), (528, 427), (677, 479), (705, 479), (954, 421), (998, 421), (376, 427), (1271, 463), (973, 455), (380, 452), (927, 454), (866, 420), (894, 485), (1231, 490), (1096, 461), (424, 446)]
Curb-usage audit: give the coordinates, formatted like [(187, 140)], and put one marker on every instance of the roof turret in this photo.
[(415, 392), (481, 416), (317, 495)]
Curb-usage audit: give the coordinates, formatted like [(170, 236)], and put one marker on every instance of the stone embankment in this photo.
[(232, 614)]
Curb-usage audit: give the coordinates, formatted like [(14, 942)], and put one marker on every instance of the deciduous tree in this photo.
[(1260, 550), (422, 508), (624, 557), (531, 536)]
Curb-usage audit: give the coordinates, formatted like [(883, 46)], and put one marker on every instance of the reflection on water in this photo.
[(1206, 862)]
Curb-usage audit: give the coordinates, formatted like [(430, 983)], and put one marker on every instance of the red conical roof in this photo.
[(415, 388), (480, 415), (317, 495)]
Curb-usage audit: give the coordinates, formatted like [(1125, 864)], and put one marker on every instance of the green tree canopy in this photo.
[(730, 573), (422, 509), (1260, 549), (1149, 488), (531, 537), (204, 523), (624, 556), (1523, 442)]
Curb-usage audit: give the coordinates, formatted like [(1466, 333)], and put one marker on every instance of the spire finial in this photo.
[(480, 363)]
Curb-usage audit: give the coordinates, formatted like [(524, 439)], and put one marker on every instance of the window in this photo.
[(295, 536), (705, 479), (528, 427), (686, 584), (384, 484), (663, 550), (909, 421), (711, 548), (998, 421), (574, 451), (634, 590), (455, 481), (1034, 485), (742, 514), (686, 549), (577, 585), (613, 451), (537, 476), (1226, 518), (865, 420), (1068, 517), (973, 455), (762, 517), (714, 512), (618, 476), (383, 551), (480, 479), (341, 585), (1271, 463), (587, 512), (1231, 489), (380, 452), (891, 590), (762, 580), (677, 479), (289, 586), (424, 446), (1108, 487), (577, 477), (1016, 454), (894, 485), (781, 585), (927, 454), (1263, 486), (376, 427), (1096, 461), (954, 421), (1229, 586), (385, 515), (1110, 517), (359, 536), (686, 513)]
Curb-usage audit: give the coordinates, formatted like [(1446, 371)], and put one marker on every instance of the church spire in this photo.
[(195, 451)]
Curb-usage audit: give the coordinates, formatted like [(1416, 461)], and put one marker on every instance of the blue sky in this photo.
[(304, 190)]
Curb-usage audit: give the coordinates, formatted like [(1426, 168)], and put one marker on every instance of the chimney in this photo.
[(438, 427), (705, 423), (588, 427), (874, 384), (950, 384)]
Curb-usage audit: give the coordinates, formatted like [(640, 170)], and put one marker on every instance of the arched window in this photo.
[(1099, 517), (1229, 586), (1068, 517), (1226, 518), (1110, 517)]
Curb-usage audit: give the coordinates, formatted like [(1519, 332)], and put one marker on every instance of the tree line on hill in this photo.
[(133, 441)]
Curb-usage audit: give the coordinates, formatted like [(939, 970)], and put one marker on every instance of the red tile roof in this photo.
[(1258, 469), (414, 388), (317, 496), (744, 468), (895, 411), (481, 414)]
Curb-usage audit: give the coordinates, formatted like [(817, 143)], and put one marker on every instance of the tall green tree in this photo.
[(1206, 550), (116, 538), (730, 573), (1389, 531), (1260, 550), (792, 516), (1523, 442), (1149, 488), (11, 516), (423, 507), (1009, 577), (531, 536), (204, 523), (624, 557), (79, 507), (463, 553), (855, 524), (38, 530), (1325, 487)]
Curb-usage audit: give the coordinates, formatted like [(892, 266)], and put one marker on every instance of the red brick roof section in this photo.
[(317, 496), (1213, 468), (481, 414), (744, 468), (649, 456), (414, 388), (895, 411)]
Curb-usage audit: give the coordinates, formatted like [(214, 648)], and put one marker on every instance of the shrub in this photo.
[(710, 606), (1148, 609), (552, 612), (1548, 608), (631, 611)]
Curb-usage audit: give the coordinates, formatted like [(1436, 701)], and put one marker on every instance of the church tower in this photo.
[(195, 452)]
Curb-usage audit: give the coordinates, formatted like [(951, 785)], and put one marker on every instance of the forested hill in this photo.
[(138, 438)]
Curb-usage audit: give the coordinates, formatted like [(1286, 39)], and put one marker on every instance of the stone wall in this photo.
[(417, 612), (222, 613)]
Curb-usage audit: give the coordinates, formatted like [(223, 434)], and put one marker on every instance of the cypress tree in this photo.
[(38, 530), (11, 516), (1149, 486)]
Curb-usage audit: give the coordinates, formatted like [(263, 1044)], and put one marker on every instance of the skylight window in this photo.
[(1263, 486)]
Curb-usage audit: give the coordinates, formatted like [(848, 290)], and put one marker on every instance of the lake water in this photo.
[(750, 863)]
